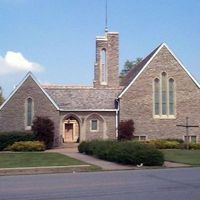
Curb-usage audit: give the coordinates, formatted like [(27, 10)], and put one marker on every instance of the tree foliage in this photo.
[(128, 65), (43, 128), (1, 96), (126, 130)]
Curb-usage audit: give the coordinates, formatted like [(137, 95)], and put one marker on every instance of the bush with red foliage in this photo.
[(43, 128), (126, 130)]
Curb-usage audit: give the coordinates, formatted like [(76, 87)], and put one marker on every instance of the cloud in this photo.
[(14, 62)]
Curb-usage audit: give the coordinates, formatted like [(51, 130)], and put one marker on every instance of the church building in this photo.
[(157, 94)]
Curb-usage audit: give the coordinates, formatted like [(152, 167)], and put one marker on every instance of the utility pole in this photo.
[(187, 126)]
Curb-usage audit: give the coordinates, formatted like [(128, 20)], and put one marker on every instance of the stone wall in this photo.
[(109, 42), (12, 115), (106, 124), (137, 101)]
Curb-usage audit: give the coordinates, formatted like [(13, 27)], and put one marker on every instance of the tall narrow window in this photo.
[(103, 66), (157, 96), (164, 96), (171, 96), (29, 115), (164, 93)]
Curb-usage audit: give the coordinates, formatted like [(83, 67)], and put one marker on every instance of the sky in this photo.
[(55, 39)]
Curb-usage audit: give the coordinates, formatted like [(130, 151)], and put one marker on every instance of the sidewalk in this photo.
[(106, 165)]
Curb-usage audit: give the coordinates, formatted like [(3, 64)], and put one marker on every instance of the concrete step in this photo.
[(69, 145)]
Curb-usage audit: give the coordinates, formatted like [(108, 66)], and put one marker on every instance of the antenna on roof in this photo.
[(106, 19)]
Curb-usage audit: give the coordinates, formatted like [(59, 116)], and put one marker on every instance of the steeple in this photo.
[(106, 73), (106, 17)]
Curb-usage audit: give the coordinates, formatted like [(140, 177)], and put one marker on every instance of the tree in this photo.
[(1, 96), (128, 65), (43, 128), (126, 130)]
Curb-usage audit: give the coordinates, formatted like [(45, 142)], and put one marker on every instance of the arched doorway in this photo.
[(71, 130)]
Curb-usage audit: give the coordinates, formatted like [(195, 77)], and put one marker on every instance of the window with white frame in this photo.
[(164, 97), (140, 137), (191, 138), (94, 125), (29, 112)]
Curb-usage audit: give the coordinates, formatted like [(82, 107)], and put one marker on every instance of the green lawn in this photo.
[(36, 159), (191, 157)]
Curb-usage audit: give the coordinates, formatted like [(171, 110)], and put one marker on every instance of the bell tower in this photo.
[(106, 73)]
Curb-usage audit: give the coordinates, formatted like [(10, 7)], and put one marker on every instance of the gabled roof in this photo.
[(82, 98), (29, 74), (135, 70), (138, 69)]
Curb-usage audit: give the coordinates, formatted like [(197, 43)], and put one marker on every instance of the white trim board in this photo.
[(29, 74), (152, 57), (88, 110)]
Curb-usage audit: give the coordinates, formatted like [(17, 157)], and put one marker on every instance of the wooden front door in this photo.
[(68, 135)]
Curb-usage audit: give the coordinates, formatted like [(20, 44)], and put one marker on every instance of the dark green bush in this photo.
[(8, 138), (27, 146), (43, 128), (82, 147), (126, 152)]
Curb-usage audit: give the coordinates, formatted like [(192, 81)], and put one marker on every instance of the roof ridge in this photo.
[(137, 68)]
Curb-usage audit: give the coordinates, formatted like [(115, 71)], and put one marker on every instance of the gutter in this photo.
[(117, 117)]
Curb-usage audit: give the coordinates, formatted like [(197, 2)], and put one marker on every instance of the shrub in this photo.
[(82, 146), (166, 144), (126, 130), (43, 127), (27, 146), (125, 152), (194, 146), (8, 138)]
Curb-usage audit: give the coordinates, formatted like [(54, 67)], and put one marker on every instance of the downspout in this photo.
[(117, 117)]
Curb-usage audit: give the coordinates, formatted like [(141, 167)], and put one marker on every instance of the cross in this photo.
[(187, 126)]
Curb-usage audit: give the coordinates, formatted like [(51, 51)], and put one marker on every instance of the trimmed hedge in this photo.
[(27, 146), (165, 144), (194, 146), (8, 138), (125, 152), (171, 144)]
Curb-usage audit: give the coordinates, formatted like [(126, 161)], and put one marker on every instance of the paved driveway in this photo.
[(161, 184)]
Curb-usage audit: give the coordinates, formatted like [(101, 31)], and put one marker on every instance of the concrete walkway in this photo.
[(106, 165)]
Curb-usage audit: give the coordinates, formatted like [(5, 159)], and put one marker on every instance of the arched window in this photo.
[(171, 96), (164, 93), (157, 96), (29, 112), (164, 96), (103, 66)]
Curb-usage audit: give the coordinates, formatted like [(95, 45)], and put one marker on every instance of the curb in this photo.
[(43, 170)]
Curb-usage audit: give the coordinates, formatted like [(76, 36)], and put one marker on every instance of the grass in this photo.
[(191, 157), (36, 159)]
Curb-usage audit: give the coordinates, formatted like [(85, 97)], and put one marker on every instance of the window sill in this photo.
[(94, 131), (164, 117), (28, 128)]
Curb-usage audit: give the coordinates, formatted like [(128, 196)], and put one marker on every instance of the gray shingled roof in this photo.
[(134, 71), (82, 98)]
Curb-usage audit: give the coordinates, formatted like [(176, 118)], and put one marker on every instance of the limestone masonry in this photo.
[(157, 94)]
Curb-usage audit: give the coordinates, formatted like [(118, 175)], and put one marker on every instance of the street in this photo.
[(161, 184)]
